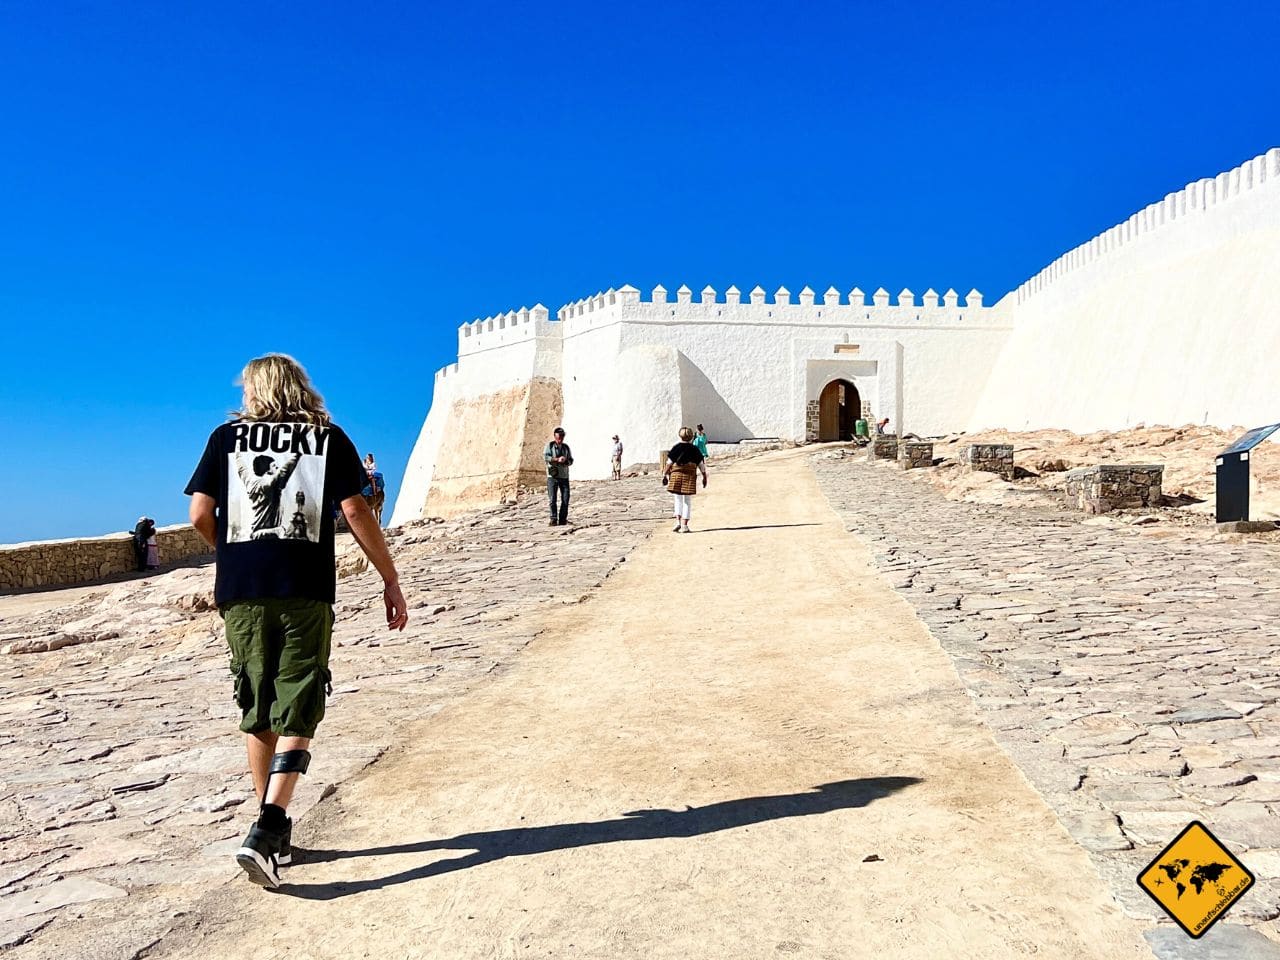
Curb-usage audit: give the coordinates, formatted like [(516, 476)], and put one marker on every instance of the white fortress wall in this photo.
[(422, 460), (619, 363), (1169, 317), (748, 369), (596, 392), (508, 367)]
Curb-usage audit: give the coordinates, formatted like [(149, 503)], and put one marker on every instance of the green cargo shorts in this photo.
[(280, 663)]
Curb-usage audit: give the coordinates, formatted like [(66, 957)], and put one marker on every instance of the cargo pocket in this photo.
[(324, 687), (304, 713), (243, 688)]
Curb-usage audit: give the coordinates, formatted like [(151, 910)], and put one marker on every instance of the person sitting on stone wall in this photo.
[(143, 531), (375, 492)]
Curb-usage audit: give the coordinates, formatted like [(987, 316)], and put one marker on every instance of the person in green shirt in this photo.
[(700, 441)]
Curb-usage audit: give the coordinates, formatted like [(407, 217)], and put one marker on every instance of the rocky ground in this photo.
[(744, 746), (1043, 456), (1133, 678), (1128, 668), (124, 788)]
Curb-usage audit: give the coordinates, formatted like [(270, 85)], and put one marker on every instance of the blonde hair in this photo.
[(686, 434), (277, 388)]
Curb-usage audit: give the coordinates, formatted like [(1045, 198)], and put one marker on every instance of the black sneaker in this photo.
[(285, 856), (259, 856)]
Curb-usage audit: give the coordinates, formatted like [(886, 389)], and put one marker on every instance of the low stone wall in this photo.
[(1111, 486), (913, 454), (989, 458), (883, 448), (61, 562)]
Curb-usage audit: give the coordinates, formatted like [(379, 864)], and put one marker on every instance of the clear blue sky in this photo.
[(188, 185)]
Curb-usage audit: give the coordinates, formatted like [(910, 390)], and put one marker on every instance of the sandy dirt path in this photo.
[(744, 745)]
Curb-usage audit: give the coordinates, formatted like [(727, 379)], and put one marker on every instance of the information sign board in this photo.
[(1251, 439)]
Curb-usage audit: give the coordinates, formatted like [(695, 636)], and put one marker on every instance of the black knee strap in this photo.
[(291, 761)]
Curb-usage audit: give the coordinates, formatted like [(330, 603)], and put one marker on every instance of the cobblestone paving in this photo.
[(1133, 678), (123, 791)]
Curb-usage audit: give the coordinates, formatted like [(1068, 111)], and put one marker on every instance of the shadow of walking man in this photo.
[(491, 845)]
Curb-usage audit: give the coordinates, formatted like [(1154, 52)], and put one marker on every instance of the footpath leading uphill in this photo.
[(743, 745)]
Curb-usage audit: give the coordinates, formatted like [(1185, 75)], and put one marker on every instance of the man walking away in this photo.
[(275, 581), (559, 459), (617, 458)]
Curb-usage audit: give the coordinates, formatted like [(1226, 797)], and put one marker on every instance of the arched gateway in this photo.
[(838, 407)]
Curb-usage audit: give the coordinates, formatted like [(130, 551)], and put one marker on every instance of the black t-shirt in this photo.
[(275, 485), (683, 453)]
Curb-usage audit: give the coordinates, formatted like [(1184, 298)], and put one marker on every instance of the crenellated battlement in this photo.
[(1192, 201), (627, 302), (602, 300), (448, 370), (514, 326)]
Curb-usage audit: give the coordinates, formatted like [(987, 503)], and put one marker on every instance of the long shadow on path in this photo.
[(491, 845), (756, 526)]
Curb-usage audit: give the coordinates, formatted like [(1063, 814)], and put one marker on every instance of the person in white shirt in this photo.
[(617, 458)]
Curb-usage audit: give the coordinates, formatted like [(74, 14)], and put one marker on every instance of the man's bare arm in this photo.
[(364, 527), (203, 518)]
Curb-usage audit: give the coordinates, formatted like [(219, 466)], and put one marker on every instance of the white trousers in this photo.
[(683, 506)]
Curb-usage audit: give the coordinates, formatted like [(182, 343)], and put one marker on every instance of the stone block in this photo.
[(914, 454), (1110, 486), (812, 419), (1248, 526), (1224, 941), (988, 458), (883, 448)]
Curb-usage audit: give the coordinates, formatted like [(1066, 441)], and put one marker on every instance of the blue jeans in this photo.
[(561, 485)]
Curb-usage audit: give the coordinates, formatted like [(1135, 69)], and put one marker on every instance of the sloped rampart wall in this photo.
[(1172, 316), (490, 414)]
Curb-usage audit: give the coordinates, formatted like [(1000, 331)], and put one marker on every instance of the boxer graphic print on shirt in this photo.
[(275, 481)]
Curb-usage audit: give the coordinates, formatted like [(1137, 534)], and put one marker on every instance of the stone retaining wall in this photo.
[(912, 455), (60, 562), (989, 458), (883, 448), (1111, 486)]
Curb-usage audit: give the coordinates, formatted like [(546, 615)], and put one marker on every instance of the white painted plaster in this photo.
[(422, 461), (1169, 317), (1166, 317)]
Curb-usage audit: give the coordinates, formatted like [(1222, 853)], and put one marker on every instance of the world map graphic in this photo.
[(1200, 874)]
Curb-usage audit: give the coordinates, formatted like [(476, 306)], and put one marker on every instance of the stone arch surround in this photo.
[(875, 372)]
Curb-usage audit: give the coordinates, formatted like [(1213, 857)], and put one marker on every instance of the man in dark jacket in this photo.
[(559, 458)]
